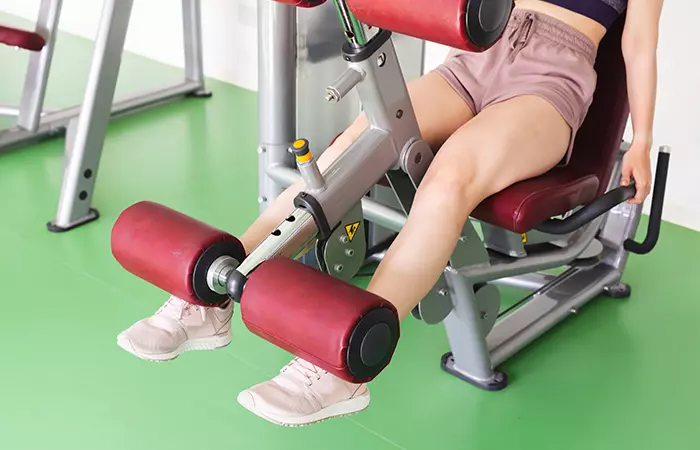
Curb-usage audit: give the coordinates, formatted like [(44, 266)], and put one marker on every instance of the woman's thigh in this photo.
[(439, 109), (508, 142)]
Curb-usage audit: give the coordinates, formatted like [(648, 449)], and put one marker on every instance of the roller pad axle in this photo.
[(335, 325)]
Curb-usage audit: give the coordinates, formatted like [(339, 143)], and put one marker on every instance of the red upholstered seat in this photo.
[(27, 40), (525, 205)]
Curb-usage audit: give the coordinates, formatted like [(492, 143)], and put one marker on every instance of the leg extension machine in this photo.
[(353, 333)]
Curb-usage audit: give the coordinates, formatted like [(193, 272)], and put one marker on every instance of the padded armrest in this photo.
[(27, 40)]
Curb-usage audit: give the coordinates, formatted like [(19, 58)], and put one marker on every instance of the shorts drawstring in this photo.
[(521, 34)]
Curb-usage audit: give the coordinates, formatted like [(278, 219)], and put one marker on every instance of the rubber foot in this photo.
[(621, 290), (90, 217), (499, 382), (200, 94)]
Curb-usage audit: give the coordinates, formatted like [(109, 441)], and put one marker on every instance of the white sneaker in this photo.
[(303, 394), (178, 327)]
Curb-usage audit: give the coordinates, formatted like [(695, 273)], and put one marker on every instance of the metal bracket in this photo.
[(343, 253), (488, 302), (416, 157), (437, 304)]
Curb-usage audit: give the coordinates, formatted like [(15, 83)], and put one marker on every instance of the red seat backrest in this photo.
[(17, 37), (598, 142)]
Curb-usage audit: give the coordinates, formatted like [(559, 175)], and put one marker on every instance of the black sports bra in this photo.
[(605, 12)]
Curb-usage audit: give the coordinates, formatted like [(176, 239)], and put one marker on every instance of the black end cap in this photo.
[(372, 343), (486, 20), (234, 285)]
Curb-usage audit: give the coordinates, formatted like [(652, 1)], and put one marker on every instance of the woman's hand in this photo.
[(637, 164)]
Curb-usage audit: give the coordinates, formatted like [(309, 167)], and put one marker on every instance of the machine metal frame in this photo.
[(481, 337), (85, 125), (592, 245)]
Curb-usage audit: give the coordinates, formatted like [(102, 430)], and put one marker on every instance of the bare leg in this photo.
[(518, 139), (506, 143), (439, 111), (179, 326)]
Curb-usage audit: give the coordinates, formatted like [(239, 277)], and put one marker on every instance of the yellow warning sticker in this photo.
[(351, 230), (524, 236)]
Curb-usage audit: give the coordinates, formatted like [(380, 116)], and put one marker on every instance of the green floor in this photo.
[(622, 375)]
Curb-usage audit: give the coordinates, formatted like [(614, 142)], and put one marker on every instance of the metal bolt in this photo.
[(463, 239), (262, 199), (261, 150), (381, 59), (442, 292), (573, 311), (331, 97), (399, 113), (344, 239), (350, 252), (338, 268), (484, 316)]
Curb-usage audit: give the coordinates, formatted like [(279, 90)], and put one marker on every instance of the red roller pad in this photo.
[(306, 312), (302, 3), (162, 246), (27, 40), (441, 21)]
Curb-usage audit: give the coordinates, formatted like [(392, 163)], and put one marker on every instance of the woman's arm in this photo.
[(639, 44)]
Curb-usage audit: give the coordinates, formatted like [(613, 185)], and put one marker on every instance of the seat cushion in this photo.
[(16, 37), (525, 205)]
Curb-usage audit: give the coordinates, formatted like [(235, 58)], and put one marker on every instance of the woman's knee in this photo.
[(450, 187)]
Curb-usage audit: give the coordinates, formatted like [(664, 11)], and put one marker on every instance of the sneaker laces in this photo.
[(178, 308), (304, 371)]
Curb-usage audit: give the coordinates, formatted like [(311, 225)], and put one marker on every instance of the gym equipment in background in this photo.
[(85, 125), (321, 316)]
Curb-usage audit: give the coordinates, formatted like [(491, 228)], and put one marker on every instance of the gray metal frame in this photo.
[(85, 125), (86, 132), (298, 56), (465, 299), (30, 109)]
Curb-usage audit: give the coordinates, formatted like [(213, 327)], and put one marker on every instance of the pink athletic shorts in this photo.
[(538, 55)]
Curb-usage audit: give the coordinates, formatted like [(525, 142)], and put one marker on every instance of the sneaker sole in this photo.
[(208, 343), (337, 410)]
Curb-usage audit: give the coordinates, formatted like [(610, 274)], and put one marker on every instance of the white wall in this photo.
[(230, 52), (155, 31)]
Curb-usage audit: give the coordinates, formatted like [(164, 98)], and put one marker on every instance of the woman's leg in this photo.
[(506, 143), (179, 326), (439, 112), (515, 140)]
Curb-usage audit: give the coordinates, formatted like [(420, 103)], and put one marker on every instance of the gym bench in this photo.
[(574, 217)]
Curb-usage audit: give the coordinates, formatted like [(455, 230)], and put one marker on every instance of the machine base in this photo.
[(499, 382), (90, 217), (621, 290), (200, 94)]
